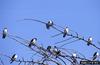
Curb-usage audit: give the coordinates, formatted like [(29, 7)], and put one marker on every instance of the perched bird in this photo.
[(95, 55), (49, 24), (13, 58), (53, 50), (32, 42), (56, 51), (49, 48), (66, 31), (74, 58), (4, 34), (90, 39)]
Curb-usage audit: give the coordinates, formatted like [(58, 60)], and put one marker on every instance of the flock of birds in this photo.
[(54, 51)]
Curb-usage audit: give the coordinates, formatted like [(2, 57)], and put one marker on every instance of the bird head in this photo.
[(74, 55), (5, 29), (90, 39), (35, 39)]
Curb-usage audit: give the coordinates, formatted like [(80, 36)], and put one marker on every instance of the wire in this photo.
[(63, 40), (69, 42)]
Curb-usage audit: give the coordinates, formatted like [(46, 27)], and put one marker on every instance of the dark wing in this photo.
[(13, 56), (94, 54)]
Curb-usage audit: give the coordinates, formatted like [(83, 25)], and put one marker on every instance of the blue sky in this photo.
[(82, 16)]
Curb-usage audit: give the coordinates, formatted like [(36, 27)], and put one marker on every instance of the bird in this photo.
[(49, 48), (53, 50), (32, 42), (13, 58), (4, 34), (95, 55), (49, 24), (89, 41), (74, 58), (66, 31), (56, 51)]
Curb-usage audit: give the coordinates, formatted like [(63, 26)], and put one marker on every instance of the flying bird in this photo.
[(95, 55), (32, 42), (4, 34), (89, 41), (13, 58)]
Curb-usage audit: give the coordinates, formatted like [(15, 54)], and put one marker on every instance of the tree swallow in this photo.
[(95, 55), (66, 31), (49, 48), (13, 58), (32, 42), (4, 34), (90, 39), (49, 24), (56, 51), (74, 57)]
